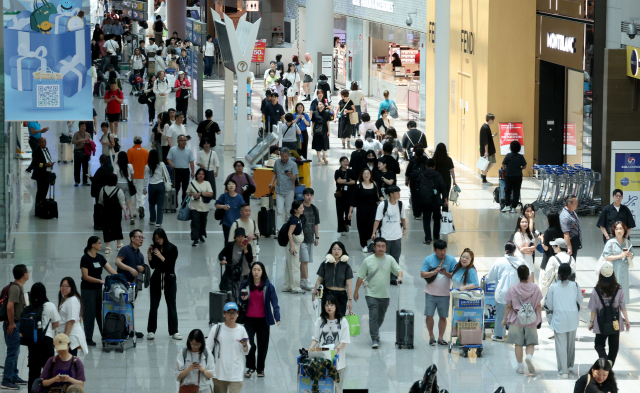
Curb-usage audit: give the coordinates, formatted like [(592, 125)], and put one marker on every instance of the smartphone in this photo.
[(245, 242), (196, 363), (287, 171)]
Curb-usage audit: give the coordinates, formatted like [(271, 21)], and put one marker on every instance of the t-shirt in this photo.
[(198, 204), (595, 305), (388, 175), (250, 228), (180, 157), (458, 278), (444, 168), (288, 132), (16, 295), (486, 139), (300, 122), (175, 131), (94, 268), (229, 350), (439, 286), (392, 221), (208, 131), (74, 370), (234, 207), (49, 316), (331, 334), (113, 106), (378, 286), (514, 163), (295, 221), (36, 126), (132, 258), (273, 114), (335, 274), (310, 222), (208, 161)]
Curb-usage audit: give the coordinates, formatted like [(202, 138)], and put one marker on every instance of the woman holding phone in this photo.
[(237, 253), (619, 251)]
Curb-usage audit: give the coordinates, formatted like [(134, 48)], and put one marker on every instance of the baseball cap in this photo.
[(230, 306), (559, 242), (606, 272), (61, 342), (180, 72)]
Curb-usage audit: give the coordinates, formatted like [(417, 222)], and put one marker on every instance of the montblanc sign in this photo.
[(380, 5), (561, 43)]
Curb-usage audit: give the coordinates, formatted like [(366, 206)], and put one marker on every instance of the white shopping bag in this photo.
[(482, 163), (447, 227)]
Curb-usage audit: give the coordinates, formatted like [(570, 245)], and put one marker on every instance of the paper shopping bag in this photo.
[(482, 163), (322, 352), (354, 324), (447, 227)]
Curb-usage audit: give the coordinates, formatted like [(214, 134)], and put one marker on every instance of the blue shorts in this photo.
[(431, 303)]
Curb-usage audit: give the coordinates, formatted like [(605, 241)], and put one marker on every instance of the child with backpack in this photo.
[(523, 314)]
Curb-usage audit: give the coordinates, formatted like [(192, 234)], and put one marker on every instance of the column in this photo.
[(441, 85), (229, 129), (320, 36), (176, 18), (150, 13), (423, 76)]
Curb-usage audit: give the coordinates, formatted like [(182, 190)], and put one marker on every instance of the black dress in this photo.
[(345, 128), (320, 143), (343, 202), (365, 200), (444, 168)]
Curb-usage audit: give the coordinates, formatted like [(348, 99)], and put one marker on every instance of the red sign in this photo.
[(510, 132), (570, 139), (258, 51)]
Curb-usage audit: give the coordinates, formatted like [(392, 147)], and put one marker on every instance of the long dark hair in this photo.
[(90, 242), (440, 156), (604, 365), (528, 226), (375, 158), (166, 119), (73, 292), (606, 289), (341, 245), (38, 295), (295, 206), (554, 221), (123, 164), (331, 299), (153, 161), (196, 335), (419, 153), (162, 235), (263, 278), (459, 265)]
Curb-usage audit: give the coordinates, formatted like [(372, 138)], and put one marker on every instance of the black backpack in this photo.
[(115, 326), (4, 300), (384, 213), (29, 332), (426, 189), (157, 26), (283, 235), (608, 316)]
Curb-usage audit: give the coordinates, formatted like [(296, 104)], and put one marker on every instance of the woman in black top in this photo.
[(372, 163), (91, 265), (236, 257), (383, 124), (418, 162), (599, 379), (552, 233), (395, 62), (444, 165), (320, 122), (366, 196), (345, 180), (385, 178), (151, 104), (336, 274), (162, 256), (345, 128), (615, 212), (513, 163)]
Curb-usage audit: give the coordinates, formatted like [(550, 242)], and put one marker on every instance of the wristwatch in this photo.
[(317, 237)]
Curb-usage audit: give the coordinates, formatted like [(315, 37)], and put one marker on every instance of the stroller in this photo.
[(136, 82)]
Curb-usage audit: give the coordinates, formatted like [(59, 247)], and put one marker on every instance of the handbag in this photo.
[(447, 227), (184, 213), (190, 388), (41, 14), (167, 182), (482, 163), (431, 279), (204, 198), (143, 99), (353, 116), (132, 188), (454, 194), (354, 324)]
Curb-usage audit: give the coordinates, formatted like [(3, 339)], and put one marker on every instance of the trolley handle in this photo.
[(473, 289)]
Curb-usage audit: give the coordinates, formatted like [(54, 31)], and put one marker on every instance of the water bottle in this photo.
[(257, 249), (39, 324)]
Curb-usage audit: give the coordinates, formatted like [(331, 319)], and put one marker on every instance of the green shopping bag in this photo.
[(354, 324), (42, 14)]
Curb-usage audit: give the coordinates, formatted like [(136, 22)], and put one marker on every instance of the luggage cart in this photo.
[(109, 305), (469, 312), (489, 313), (325, 384)]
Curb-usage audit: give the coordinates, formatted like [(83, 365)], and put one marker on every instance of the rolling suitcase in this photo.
[(65, 152), (267, 219), (404, 326), (124, 112), (217, 300), (48, 208), (170, 197)]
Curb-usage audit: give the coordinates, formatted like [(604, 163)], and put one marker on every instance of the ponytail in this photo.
[(90, 242)]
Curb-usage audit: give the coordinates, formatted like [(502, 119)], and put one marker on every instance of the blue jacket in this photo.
[(270, 299)]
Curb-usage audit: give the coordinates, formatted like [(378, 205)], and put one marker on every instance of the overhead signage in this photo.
[(633, 62), (510, 132), (196, 31), (252, 6), (379, 5), (562, 43)]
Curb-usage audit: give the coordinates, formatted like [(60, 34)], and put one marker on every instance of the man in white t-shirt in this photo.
[(176, 129), (229, 344), (391, 220)]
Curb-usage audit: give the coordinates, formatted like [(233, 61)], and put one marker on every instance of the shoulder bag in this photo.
[(167, 182), (250, 187), (353, 116), (220, 213), (204, 198), (370, 276), (132, 187), (431, 279)]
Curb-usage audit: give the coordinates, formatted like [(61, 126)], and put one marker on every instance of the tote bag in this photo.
[(447, 227)]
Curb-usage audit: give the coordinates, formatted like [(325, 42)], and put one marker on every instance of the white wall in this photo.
[(619, 11)]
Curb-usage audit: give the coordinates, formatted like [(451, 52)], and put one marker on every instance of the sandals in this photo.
[(326, 161), (249, 373), (442, 342), (107, 250), (432, 341), (261, 374), (319, 163)]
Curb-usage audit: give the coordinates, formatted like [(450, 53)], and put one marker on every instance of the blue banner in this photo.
[(47, 58)]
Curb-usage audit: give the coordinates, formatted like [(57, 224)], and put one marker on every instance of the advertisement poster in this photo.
[(490, 303), (510, 132), (258, 51), (47, 58), (627, 178), (466, 311), (127, 310), (570, 139)]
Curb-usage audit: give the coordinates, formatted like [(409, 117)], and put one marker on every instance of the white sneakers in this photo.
[(505, 209), (528, 360), (306, 285), (150, 336), (365, 250), (563, 376), (177, 336), (520, 369)]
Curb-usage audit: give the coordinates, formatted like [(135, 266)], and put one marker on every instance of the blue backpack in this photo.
[(30, 333), (114, 279)]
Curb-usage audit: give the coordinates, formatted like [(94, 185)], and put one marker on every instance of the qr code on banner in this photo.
[(48, 96)]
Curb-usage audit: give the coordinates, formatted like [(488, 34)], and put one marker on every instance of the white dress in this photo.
[(70, 311), (522, 240)]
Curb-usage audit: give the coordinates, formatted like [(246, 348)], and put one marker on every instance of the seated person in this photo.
[(64, 369)]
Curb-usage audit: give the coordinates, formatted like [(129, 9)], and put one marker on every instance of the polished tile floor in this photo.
[(52, 249)]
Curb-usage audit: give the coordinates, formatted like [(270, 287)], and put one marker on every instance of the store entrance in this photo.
[(551, 114)]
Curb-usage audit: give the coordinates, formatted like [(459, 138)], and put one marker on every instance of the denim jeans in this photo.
[(13, 351), (156, 202), (500, 330)]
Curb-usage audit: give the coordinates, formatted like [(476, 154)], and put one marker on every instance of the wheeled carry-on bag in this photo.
[(217, 300), (124, 112), (65, 152), (48, 208), (404, 326), (171, 196), (267, 218)]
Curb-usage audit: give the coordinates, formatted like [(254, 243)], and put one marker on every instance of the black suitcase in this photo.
[(267, 219), (404, 326), (97, 217), (48, 208), (217, 300)]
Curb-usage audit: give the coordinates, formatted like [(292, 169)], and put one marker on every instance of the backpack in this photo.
[(393, 110), (4, 300), (426, 189), (526, 314), (384, 213), (114, 279), (204, 353), (283, 235), (157, 26), (608, 316), (30, 333), (115, 326)]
